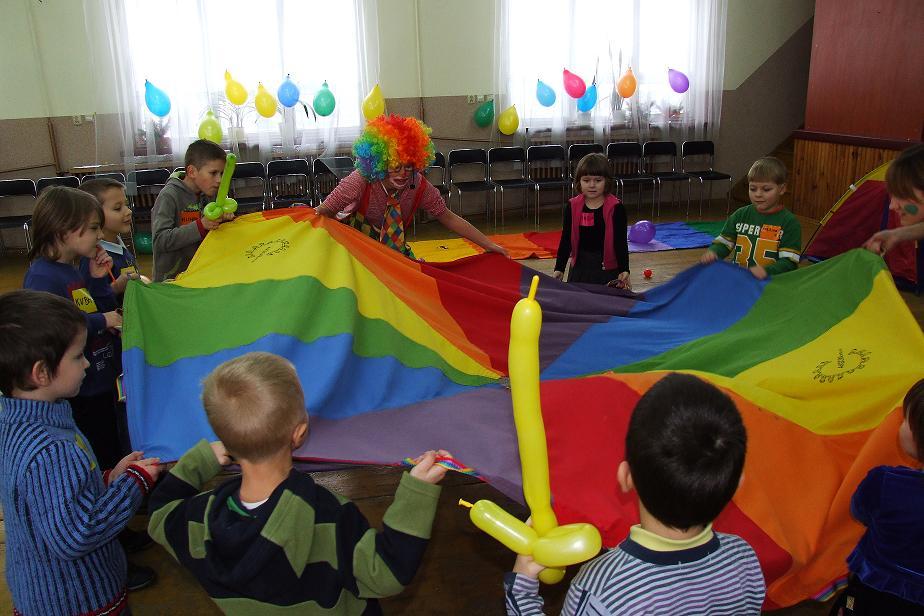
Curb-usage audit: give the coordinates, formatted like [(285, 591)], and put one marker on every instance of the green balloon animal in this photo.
[(223, 203)]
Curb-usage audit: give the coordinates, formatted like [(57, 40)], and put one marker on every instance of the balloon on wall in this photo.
[(288, 92), (264, 102), (509, 120), (574, 85), (641, 232), (545, 94), (156, 99), (679, 82), (589, 100), (484, 115), (324, 101), (374, 104), (210, 128), (235, 92), (627, 84)]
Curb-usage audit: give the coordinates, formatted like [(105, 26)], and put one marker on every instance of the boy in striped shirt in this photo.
[(685, 450)]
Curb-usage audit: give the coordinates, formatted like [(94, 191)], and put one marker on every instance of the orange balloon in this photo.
[(627, 84)]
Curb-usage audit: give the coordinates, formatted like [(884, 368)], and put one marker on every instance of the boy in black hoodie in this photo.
[(272, 538)]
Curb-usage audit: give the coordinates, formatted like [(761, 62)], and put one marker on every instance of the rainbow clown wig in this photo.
[(392, 141)]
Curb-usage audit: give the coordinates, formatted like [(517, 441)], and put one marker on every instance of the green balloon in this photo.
[(484, 115), (324, 101)]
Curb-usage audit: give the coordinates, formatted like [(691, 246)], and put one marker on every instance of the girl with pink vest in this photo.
[(593, 236)]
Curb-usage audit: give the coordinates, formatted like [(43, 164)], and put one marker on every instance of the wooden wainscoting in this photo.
[(824, 170)]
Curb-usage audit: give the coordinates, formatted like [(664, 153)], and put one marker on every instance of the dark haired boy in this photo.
[(178, 225), (685, 450), (61, 514)]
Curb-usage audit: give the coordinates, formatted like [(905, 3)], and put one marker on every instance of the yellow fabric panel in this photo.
[(441, 251)]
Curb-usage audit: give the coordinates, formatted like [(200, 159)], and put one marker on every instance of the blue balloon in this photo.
[(587, 102), (642, 232), (288, 93), (545, 94), (156, 99)]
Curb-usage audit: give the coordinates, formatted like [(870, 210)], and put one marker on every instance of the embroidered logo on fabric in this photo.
[(266, 249), (830, 371)]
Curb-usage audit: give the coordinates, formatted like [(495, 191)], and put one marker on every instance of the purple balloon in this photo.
[(641, 232), (679, 82)]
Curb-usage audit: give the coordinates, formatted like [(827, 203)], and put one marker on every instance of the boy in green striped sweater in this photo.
[(271, 540)]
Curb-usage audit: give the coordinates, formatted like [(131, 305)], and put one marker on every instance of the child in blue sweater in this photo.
[(65, 227), (61, 514)]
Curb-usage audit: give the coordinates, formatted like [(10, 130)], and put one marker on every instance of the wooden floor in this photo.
[(463, 567)]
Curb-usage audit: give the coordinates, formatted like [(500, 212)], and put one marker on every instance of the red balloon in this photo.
[(574, 85), (647, 273)]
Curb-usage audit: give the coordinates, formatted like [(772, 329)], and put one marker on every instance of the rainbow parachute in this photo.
[(398, 356)]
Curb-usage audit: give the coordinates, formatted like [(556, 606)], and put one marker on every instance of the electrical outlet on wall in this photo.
[(471, 99), (78, 120)]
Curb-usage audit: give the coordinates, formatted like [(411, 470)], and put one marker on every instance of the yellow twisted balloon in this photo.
[(549, 544)]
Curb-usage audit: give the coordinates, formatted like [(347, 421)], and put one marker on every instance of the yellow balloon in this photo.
[(510, 531), (235, 92), (508, 121), (567, 545), (264, 102), (627, 84), (374, 105)]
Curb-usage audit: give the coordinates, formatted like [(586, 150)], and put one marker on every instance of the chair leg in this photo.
[(689, 190)]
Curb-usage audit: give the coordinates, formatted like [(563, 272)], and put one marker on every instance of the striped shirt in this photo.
[(719, 577), (347, 195)]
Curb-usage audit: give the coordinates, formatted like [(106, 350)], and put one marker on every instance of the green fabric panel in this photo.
[(712, 228), (347, 605), (373, 577), (197, 536), (803, 297), (290, 527), (197, 465), (157, 524), (181, 322), (414, 507)]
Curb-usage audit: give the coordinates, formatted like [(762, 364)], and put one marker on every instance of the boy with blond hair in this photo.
[(762, 236), (272, 538)]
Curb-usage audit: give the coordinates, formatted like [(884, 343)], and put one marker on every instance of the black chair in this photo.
[(246, 176), (664, 153), (469, 157), (62, 180), (16, 190), (546, 168), (289, 182), (577, 151), (626, 163), (439, 164), (328, 172), (147, 185), (516, 157), (694, 149), (119, 177)]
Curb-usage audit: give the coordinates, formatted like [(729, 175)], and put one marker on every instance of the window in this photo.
[(601, 39), (184, 47)]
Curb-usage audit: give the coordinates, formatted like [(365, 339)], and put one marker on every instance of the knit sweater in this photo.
[(303, 551), (177, 227), (61, 518)]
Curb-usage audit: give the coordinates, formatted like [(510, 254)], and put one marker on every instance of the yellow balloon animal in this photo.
[(548, 543), (374, 104), (236, 93)]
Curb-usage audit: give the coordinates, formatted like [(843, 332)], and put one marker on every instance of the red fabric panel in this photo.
[(547, 239), (482, 309)]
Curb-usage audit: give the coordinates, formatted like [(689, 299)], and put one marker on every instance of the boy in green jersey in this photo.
[(762, 236)]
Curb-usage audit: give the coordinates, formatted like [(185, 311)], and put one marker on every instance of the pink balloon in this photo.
[(574, 85), (679, 82)]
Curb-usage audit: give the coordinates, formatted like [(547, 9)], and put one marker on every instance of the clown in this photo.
[(382, 195)]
